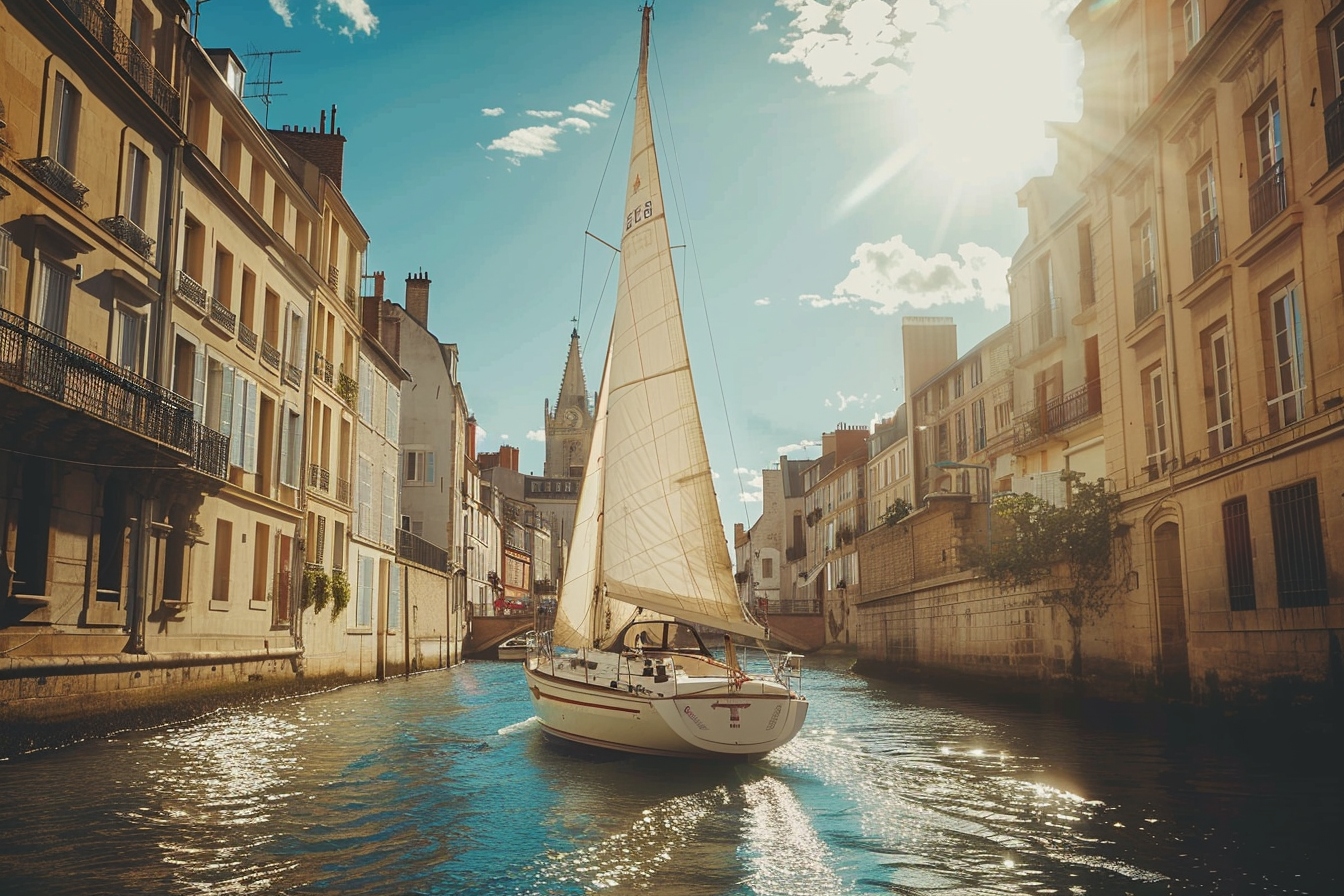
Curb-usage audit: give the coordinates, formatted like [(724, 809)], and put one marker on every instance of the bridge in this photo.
[(485, 633)]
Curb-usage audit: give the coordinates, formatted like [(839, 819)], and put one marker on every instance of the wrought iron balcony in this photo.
[(352, 299), (247, 337), (1269, 196), (62, 182), (193, 292), (103, 28), (47, 364), (124, 229), (1334, 131), (270, 354), (1205, 248), (222, 316), (415, 549), (1073, 407), (1145, 297), (292, 374), (319, 478), (343, 490), (347, 388), (323, 369), (333, 276)]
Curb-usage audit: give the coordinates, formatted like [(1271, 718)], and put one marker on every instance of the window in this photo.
[(1268, 139), (393, 412), (6, 246), (291, 445), (364, 499), (1287, 375), (1299, 553), (1145, 271), (1087, 292), (978, 435), (53, 297), (243, 427), (364, 598), (365, 392), (64, 124), (261, 562), (219, 383), (419, 467), (767, 568), (1155, 424), (1218, 389), (389, 507), (977, 372), (295, 337), (1194, 27), (961, 435), (1205, 247), (958, 385), (137, 186), (1237, 551), (128, 339), (223, 291), (223, 558), (394, 598)]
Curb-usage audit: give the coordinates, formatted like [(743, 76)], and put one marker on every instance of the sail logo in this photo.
[(641, 213), (734, 719), (635, 187)]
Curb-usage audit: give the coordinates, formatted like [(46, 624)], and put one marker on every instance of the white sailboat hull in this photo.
[(696, 717)]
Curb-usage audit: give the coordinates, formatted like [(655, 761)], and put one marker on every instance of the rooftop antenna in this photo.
[(263, 85), (196, 19)]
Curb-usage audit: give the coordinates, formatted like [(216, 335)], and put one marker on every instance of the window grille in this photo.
[(1299, 553), (1237, 548)]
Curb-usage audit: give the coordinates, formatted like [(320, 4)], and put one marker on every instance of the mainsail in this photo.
[(647, 533)]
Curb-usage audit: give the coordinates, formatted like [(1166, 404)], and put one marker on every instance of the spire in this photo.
[(573, 386)]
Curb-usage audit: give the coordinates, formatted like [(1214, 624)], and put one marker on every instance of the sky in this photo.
[(829, 167)]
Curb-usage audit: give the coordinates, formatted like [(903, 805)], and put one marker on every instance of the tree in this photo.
[(1078, 552), (899, 510)]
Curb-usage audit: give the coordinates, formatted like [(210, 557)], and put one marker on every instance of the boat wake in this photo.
[(525, 725)]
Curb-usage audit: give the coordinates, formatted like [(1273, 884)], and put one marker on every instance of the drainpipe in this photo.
[(1169, 326)]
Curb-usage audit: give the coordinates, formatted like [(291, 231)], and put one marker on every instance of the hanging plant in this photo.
[(316, 588), (340, 593)]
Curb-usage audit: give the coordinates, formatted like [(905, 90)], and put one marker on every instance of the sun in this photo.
[(982, 85)]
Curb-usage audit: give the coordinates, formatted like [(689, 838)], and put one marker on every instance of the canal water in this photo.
[(444, 784)]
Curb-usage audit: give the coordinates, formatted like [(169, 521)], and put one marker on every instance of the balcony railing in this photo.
[(1334, 131), (1269, 196), (1205, 248), (352, 299), (247, 337), (53, 174), (1073, 407), (124, 229), (292, 374), (192, 291), (347, 388), (222, 316), (1145, 297), (270, 355), (323, 369), (343, 490), (47, 364), (104, 30), (333, 276), (319, 478), (805, 607), (415, 549)]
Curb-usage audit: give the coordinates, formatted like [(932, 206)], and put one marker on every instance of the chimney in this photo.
[(371, 308), (417, 298), (508, 457), (471, 437)]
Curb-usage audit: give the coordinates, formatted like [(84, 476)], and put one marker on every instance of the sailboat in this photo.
[(623, 666)]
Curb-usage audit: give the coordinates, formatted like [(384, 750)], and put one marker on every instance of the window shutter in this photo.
[(226, 402), (198, 387), (389, 506), (284, 443), (394, 597), (250, 429), (296, 448), (429, 467)]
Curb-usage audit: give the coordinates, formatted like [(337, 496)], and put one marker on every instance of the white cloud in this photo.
[(854, 41), (595, 108), (891, 276), (493, 112), (760, 24), (481, 435), (801, 445), (361, 18), (537, 140), (765, 300), (843, 401), (281, 8), (536, 435), (544, 113)]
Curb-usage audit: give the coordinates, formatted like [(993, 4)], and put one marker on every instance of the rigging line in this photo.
[(690, 241), (89, 463), (616, 133), (600, 296)]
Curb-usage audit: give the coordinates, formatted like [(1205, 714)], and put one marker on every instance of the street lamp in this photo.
[(989, 501)]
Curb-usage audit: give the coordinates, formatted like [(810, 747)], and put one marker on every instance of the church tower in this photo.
[(569, 425)]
